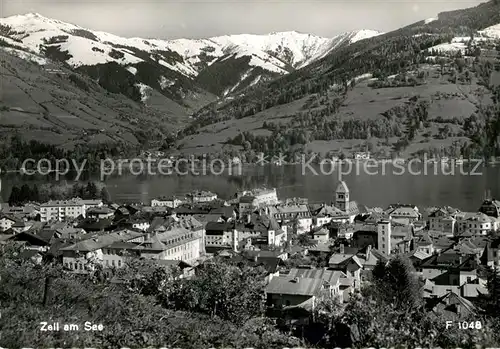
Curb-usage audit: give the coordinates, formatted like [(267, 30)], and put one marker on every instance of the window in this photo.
[(469, 279), (119, 262), (113, 262)]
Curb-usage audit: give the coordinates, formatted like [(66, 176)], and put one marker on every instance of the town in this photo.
[(307, 250)]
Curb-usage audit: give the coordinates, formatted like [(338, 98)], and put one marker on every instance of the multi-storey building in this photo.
[(297, 216), (475, 223), (94, 249), (247, 204), (262, 196), (223, 235), (93, 203), (171, 202), (490, 208), (444, 219), (6, 222), (62, 210), (201, 196)]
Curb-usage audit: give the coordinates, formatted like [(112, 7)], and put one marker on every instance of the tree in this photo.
[(15, 196), (226, 291), (91, 191), (130, 319), (305, 240), (105, 196), (25, 194), (397, 284)]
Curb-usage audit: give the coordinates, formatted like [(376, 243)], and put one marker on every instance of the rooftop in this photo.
[(59, 203)]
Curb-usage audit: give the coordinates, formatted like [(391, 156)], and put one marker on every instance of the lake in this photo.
[(457, 187)]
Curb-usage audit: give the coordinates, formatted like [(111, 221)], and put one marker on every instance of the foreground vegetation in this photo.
[(223, 306)]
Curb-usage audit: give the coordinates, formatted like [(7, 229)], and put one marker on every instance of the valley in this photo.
[(429, 88)]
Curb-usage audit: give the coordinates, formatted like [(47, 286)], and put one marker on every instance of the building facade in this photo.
[(62, 210)]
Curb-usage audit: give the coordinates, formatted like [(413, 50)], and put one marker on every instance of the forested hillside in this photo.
[(428, 70)]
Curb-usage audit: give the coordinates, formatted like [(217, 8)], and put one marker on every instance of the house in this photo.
[(6, 222), (362, 156), (135, 222), (247, 204), (100, 212), (341, 286), (325, 214), (443, 219), (220, 235), (303, 286), (29, 211), (295, 215), (263, 196), (452, 306), (284, 291), (97, 225), (490, 208), (347, 263), (201, 196), (321, 236), (453, 268), (171, 202), (261, 225), (92, 203), (363, 238), (476, 223), (83, 256), (424, 244), (401, 237), (416, 257), (32, 241), (404, 214), (491, 253)]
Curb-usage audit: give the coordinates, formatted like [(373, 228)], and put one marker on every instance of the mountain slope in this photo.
[(47, 102), (321, 95), (188, 64)]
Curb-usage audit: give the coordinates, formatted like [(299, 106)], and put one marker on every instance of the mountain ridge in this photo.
[(276, 53)]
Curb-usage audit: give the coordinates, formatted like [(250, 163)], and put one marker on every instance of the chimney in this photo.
[(249, 219), (342, 249)]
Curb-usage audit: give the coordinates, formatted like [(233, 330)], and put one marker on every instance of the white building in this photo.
[(171, 202), (83, 256), (92, 203), (475, 223), (384, 237), (62, 210), (6, 222), (265, 196), (201, 196)]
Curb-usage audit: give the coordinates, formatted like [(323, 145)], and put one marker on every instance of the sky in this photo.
[(169, 19)]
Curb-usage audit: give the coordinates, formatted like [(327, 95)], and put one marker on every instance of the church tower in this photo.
[(342, 197)]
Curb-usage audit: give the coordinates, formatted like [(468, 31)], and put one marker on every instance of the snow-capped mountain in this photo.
[(219, 65), (276, 52)]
